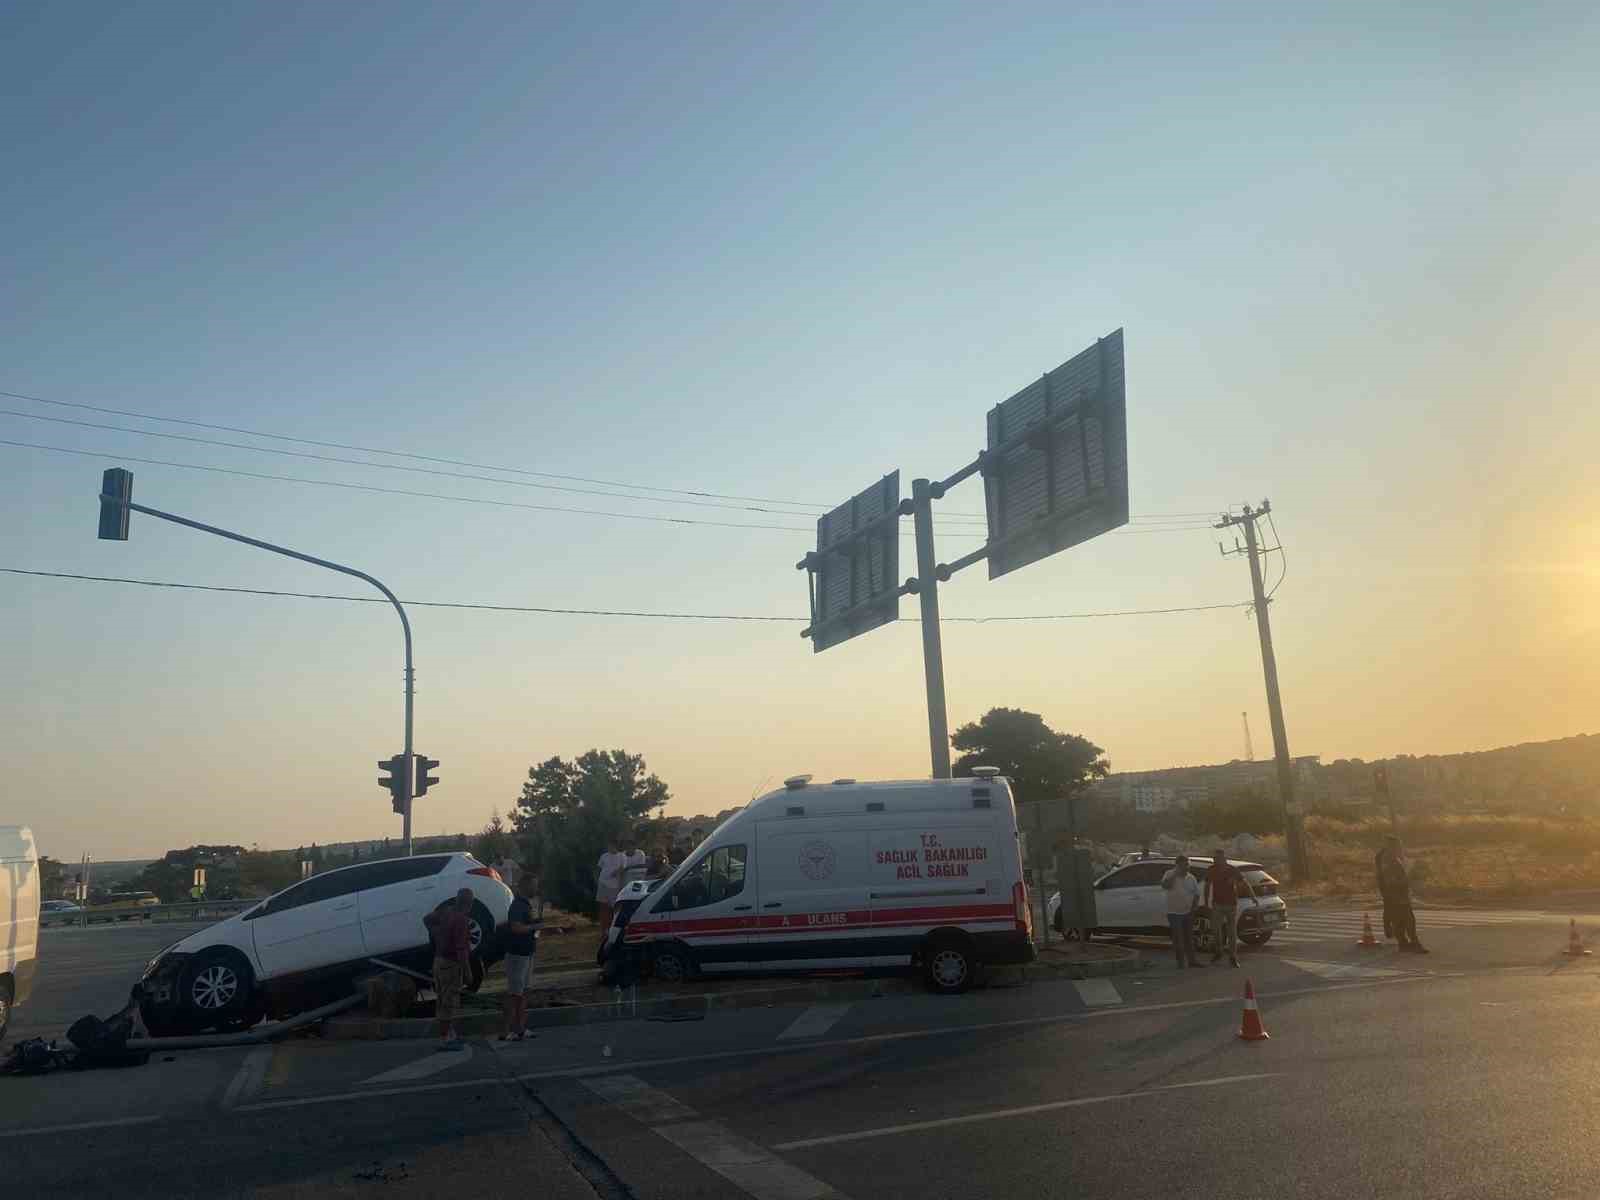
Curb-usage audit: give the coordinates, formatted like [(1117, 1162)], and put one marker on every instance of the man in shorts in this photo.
[(521, 942), (452, 948)]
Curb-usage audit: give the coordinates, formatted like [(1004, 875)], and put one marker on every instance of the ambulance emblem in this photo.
[(817, 860)]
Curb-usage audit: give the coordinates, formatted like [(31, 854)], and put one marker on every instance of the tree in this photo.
[(568, 811), (52, 878), (495, 842), (1040, 763)]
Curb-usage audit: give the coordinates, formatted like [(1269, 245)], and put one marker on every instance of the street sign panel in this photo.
[(855, 571), (1056, 469)]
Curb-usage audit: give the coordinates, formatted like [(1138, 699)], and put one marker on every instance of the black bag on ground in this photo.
[(105, 1043)]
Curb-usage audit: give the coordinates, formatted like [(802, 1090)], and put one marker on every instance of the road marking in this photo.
[(1002, 1113), (110, 1124), (638, 1099), (711, 1143), (1328, 970), (1096, 992), (745, 1164), (436, 1062), (647, 1064), (247, 1081), (815, 1021)]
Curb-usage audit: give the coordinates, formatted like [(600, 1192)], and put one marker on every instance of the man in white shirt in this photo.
[(608, 876), (1183, 893)]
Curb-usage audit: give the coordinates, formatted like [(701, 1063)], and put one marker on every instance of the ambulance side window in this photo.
[(713, 879)]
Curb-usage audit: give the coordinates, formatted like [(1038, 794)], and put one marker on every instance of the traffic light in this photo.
[(116, 490), (395, 780), (424, 765)]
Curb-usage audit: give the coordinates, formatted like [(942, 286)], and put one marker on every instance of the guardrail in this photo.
[(149, 915)]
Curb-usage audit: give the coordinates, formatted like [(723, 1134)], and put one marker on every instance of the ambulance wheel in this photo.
[(949, 965), (672, 963)]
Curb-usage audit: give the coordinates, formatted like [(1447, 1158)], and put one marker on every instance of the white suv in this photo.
[(1129, 899), (305, 944)]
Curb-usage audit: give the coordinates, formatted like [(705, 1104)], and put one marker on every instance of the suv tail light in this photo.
[(488, 871), (1024, 914)]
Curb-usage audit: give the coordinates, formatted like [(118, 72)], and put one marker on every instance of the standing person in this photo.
[(1183, 893), (636, 865), (1394, 885), (452, 948), (608, 876), (522, 941), (1223, 883)]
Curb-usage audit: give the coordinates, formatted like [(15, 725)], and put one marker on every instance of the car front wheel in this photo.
[(1260, 938), (216, 991)]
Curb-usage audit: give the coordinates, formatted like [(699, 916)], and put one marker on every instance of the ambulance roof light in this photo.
[(985, 772), (796, 782)]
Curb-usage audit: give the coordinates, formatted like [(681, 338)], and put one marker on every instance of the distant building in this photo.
[(1176, 788)]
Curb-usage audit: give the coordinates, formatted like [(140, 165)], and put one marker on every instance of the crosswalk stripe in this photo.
[(814, 1022)]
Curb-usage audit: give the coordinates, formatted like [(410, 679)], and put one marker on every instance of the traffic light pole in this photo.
[(127, 504)]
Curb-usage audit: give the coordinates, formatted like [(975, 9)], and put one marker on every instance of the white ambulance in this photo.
[(849, 874), (19, 918)]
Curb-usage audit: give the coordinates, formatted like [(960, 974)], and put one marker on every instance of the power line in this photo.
[(453, 462), (590, 612), (1283, 556), (816, 509), (554, 508)]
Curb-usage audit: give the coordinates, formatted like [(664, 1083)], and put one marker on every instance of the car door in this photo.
[(710, 909), (314, 924), (1131, 897), (393, 897)]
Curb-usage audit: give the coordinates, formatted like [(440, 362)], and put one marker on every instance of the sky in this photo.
[(772, 251)]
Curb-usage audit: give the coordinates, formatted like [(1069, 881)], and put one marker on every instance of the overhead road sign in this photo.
[(854, 573), (1055, 471)]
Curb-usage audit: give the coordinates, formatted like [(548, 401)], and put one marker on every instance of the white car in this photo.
[(305, 944), (1129, 900), (56, 908)]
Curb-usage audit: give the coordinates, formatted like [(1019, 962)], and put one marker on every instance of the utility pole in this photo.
[(1299, 868), (923, 493), (1249, 747)]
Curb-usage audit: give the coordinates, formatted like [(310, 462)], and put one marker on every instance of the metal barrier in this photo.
[(213, 910)]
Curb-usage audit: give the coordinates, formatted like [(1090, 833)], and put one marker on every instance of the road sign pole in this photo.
[(932, 648)]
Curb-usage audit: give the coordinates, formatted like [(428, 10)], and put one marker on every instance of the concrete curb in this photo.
[(697, 1006)]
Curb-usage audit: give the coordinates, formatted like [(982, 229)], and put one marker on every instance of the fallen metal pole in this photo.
[(250, 1037)]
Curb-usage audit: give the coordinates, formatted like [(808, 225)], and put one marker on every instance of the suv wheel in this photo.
[(1256, 939), (5, 1007), (215, 990)]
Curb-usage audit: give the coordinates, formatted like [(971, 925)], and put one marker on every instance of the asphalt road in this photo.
[(1470, 1072)]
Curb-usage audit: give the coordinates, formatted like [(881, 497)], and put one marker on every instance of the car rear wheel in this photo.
[(949, 965), (216, 991), (5, 1007)]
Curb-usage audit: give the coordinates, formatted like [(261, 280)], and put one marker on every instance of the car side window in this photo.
[(716, 877), (396, 870), (1139, 875), (315, 889)]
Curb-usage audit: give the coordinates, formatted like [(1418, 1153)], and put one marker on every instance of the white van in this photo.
[(19, 918), (849, 874)]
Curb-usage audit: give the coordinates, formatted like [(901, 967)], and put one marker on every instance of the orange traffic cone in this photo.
[(1250, 1029), (1574, 942), (1367, 940)]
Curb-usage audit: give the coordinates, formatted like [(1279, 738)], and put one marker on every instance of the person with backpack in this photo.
[(521, 944)]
